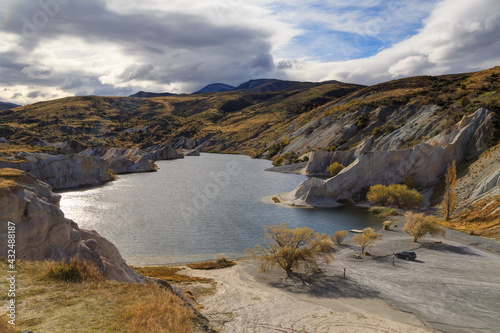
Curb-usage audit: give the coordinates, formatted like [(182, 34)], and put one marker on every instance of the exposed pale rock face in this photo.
[(193, 152), (123, 160), (163, 152), (42, 231), (425, 163), (63, 171)]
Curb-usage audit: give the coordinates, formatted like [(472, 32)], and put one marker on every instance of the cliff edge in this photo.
[(42, 231)]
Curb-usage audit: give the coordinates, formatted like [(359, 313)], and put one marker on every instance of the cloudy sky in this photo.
[(57, 48)]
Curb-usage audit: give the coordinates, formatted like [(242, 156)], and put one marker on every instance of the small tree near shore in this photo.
[(366, 239), (450, 199), (339, 236), (293, 249), (419, 225)]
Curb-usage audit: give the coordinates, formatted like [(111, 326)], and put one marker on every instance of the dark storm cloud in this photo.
[(167, 47)]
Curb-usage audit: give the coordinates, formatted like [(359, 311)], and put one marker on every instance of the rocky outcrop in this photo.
[(425, 163), (163, 152), (62, 171), (192, 152), (123, 160), (70, 146), (42, 231)]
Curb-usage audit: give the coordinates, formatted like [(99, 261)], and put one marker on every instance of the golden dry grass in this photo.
[(218, 264), (96, 306), (481, 219)]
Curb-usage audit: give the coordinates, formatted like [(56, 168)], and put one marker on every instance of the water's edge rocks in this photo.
[(43, 233), (62, 171)]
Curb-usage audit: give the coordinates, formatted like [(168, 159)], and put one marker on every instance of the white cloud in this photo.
[(458, 36), (117, 47)]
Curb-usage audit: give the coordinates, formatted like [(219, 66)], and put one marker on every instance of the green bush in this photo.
[(334, 168), (278, 160)]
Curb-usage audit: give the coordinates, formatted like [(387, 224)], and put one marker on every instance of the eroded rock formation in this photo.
[(62, 171), (425, 163), (42, 231)]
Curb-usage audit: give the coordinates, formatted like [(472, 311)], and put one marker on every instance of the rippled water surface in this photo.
[(195, 208)]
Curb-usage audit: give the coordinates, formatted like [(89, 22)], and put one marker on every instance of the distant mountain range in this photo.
[(255, 86), (215, 87), (145, 94), (6, 106)]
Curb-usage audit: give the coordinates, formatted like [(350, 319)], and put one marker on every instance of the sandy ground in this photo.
[(451, 287)]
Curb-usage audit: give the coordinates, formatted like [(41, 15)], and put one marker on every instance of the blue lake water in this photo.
[(198, 207)]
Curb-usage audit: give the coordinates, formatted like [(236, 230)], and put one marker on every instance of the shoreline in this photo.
[(376, 296)]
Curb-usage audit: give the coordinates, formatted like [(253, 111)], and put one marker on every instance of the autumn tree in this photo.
[(339, 236), (334, 168), (366, 238), (419, 225), (450, 200), (293, 249)]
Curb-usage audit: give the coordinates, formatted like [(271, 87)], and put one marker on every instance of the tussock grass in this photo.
[(54, 306), (156, 310), (74, 271)]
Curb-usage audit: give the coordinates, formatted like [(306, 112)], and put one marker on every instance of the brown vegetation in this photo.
[(419, 225), (450, 197), (481, 218), (102, 306)]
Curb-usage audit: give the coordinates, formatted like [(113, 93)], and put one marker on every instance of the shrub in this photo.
[(339, 236), (366, 239), (387, 225), (278, 160), (112, 175), (378, 194), (334, 168), (397, 194), (419, 225), (404, 197), (74, 271), (383, 212)]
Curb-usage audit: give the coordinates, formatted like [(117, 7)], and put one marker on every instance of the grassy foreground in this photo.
[(45, 305)]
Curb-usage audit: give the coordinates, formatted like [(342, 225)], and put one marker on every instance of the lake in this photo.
[(195, 208)]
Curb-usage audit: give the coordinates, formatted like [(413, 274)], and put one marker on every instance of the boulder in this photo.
[(42, 231)]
